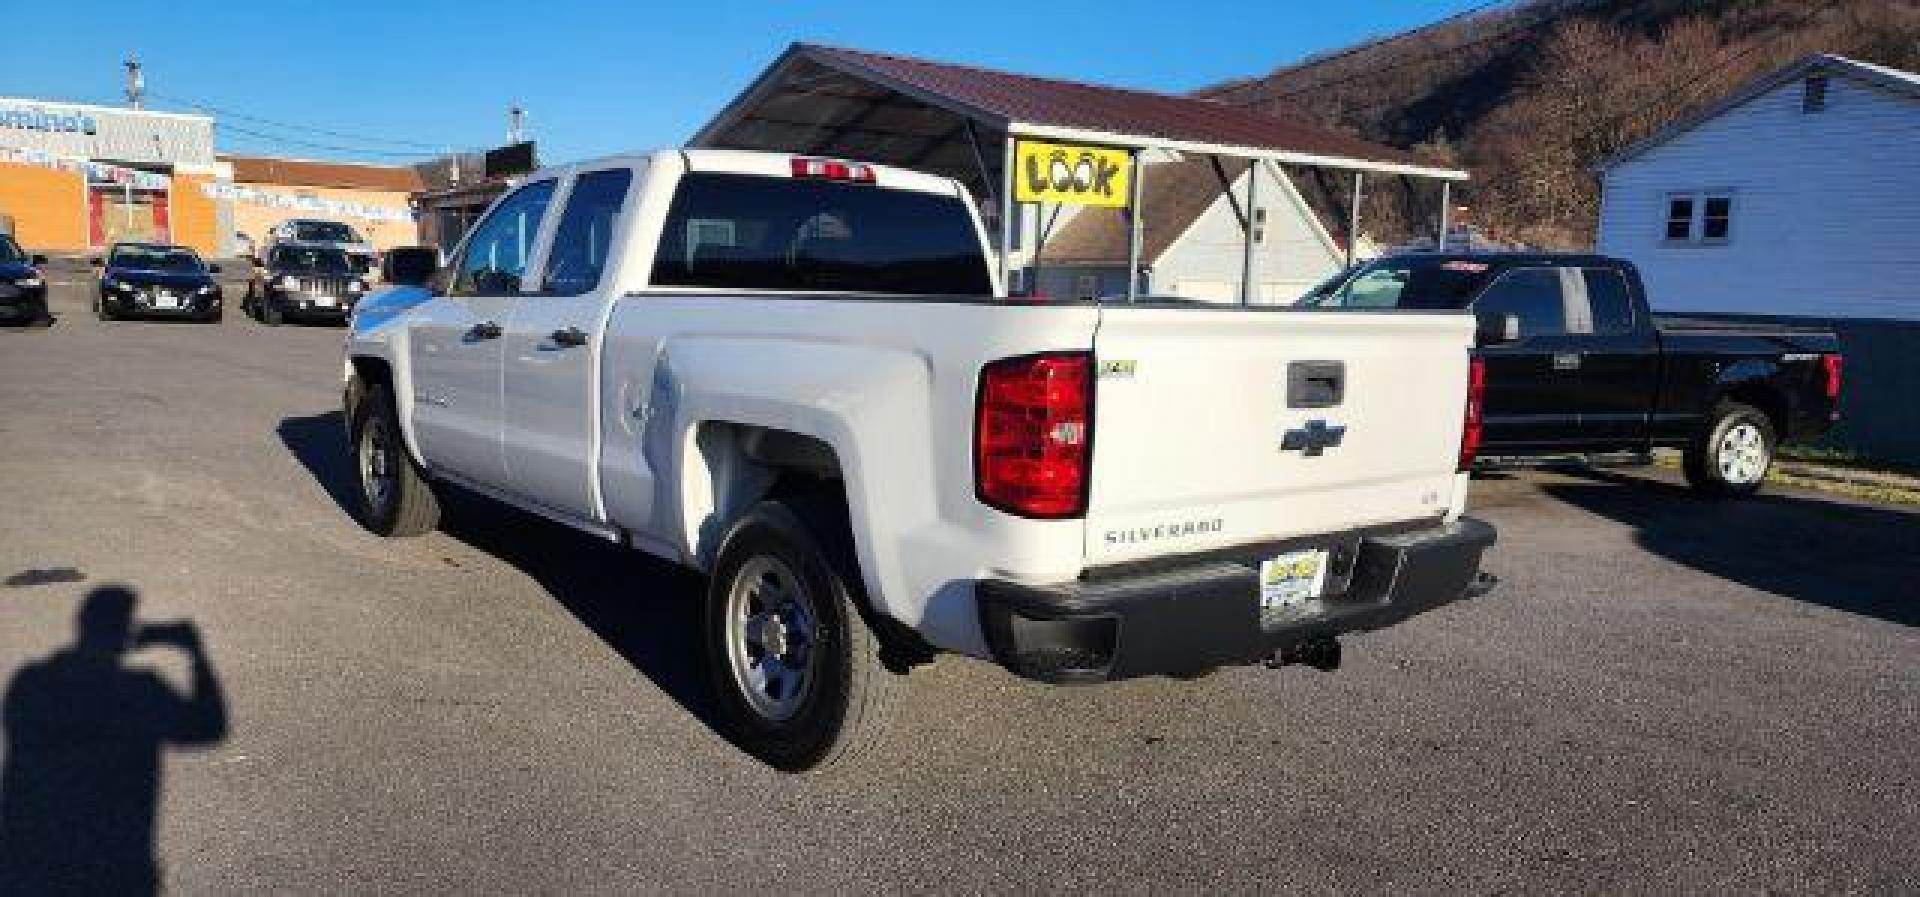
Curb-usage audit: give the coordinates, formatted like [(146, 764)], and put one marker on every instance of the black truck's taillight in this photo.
[(1033, 434), (1473, 429)]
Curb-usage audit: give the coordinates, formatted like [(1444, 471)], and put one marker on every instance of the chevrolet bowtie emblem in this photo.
[(1313, 439)]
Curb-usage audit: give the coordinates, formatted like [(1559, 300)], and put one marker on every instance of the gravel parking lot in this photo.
[(1664, 694)]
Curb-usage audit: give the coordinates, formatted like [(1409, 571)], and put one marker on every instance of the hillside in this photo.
[(1530, 95)]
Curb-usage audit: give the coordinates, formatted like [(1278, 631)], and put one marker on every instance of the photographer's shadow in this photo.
[(85, 738)]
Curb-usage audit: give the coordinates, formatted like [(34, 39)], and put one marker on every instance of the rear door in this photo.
[(1534, 386), (551, 348), (1224, 427), (455, 347)]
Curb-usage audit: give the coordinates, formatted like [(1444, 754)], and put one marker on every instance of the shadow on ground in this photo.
[(87, 733), (1857, 558), (644, 609)]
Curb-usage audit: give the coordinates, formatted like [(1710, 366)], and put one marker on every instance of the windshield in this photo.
[(169, 259), (1402, 283), (324, 232), (10, 251), (310, 260)]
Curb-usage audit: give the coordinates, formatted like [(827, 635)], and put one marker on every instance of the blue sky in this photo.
[(599, 77)]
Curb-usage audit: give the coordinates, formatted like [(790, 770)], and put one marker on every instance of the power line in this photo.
[(332, 147), (229, 113)]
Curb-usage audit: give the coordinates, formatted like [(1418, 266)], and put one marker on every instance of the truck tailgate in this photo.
[(1192, 413)]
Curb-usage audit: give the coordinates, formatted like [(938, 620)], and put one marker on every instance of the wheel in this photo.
[(1733, 452), (101, 310), (395, 497), (42, 318), (797, 672), (214, 317), (270, 313)]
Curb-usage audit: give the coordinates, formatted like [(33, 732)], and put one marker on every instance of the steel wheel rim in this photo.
[(377, 475), (772, 632), (1742, 454)]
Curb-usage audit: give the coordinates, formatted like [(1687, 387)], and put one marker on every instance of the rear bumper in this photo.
[(1188, 618)]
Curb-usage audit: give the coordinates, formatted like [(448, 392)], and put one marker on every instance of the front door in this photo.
[(1533, 391), (1620, 375), (551, 349), (456, 341)]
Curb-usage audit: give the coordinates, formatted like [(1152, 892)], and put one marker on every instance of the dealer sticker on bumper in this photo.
[(1292, 583)]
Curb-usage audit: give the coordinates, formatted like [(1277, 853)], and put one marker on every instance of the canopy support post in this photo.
[(1446, 205), (1353, 222), (1006, 217), (1134, 227), (1246, 246)]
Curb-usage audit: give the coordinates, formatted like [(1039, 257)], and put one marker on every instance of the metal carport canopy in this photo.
[(915, 113)]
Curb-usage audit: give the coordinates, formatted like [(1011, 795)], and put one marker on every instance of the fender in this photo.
[(377, 330), (858, 400)]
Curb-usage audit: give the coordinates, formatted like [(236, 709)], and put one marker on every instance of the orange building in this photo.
[(75, 178)]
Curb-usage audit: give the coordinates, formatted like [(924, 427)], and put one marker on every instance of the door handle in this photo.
[(1566, 361), (484, 330), (568, 336)]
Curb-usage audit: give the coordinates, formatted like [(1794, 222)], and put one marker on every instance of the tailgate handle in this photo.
[(1316, 384)]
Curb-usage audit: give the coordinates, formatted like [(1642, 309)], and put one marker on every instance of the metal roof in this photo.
[(1893, 80), (917, 114)]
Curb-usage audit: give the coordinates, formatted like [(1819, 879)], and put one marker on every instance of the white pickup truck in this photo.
[(800, 377)]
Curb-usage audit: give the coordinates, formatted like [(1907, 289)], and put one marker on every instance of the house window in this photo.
[(1699, 218), (1680, 218), (1814, 97), (1716, 219)]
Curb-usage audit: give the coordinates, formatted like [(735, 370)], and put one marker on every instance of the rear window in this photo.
[(732, 231), (324, 232), (1402, 283)]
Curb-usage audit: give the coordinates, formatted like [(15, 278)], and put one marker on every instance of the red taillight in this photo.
[(1475, 425), (1032, 438), (1835, 365), (832, 170)]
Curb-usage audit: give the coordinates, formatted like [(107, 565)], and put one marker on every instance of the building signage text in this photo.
[(28, 119), (1068, 173)]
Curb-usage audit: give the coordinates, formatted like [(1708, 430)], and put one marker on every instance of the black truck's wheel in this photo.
[(101, 310), (1733, 452), (395, 497), (41, 317), (270, 313), (796, 671)]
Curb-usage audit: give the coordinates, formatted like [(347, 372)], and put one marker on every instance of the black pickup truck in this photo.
[(1577, 366)]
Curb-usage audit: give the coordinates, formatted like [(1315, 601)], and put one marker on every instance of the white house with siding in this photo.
[(1799, 195), (1192, 241)]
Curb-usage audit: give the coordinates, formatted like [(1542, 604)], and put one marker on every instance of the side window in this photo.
[(1608, 297), (496, 254), (585, 234), (1531, 294)]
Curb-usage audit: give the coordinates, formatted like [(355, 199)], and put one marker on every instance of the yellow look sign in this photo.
[(1063, 172)]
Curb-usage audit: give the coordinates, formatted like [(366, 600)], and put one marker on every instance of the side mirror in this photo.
[(213, 269), (255, 261), (412, 266), (1497, 329), (39, 259), (96, 262)]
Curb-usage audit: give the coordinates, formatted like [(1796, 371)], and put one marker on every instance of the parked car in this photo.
[(1578, 366), (317, 232), (800, 377), (156, 280), (23, 288), (305, 283)]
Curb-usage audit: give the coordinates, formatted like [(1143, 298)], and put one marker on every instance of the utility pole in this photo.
[(136, 82), (516, 124)]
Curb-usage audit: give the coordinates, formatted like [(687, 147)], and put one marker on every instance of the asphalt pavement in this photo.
[(1664, 694)]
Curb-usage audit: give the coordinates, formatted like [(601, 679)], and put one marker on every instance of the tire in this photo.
[(102, 311), (395, 497), (1733, 452), (789, 565), (42, 319), (270, 313)]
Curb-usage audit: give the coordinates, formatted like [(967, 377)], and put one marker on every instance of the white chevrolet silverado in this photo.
[(800, 377)]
